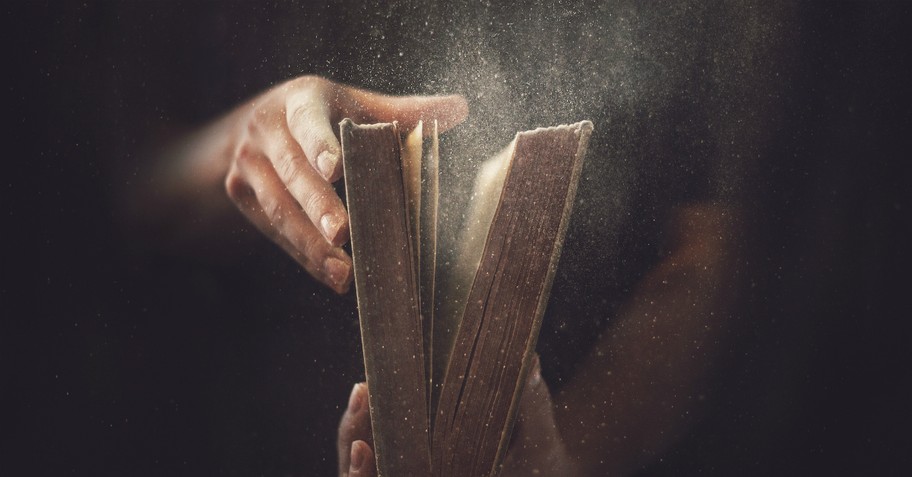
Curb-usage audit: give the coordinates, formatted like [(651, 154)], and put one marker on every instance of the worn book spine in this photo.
[(387, 292)]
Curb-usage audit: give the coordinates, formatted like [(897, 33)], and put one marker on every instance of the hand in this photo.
[(536, 447), (284, 156), (353, 444)]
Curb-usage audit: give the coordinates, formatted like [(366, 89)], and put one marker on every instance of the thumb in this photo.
[(536, 410), (537, 447), (535, 431), (408, 110), (354, 427)]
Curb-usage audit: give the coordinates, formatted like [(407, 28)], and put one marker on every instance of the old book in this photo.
[(447, 349)]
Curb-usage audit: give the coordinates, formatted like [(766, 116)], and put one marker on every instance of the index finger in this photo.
[(308, 114)]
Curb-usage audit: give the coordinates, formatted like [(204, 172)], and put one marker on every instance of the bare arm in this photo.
[(640, 387)]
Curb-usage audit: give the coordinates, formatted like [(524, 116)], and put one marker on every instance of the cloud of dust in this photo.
[(680, 93)]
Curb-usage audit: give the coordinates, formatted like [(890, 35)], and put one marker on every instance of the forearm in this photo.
[(182, 198), (643, 383)]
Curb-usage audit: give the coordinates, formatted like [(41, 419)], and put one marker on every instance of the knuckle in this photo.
[(315, 202), (276, 213), (235, 185), (345, 431), (303, 112), (245, 157), (311, 248), (253, 127), (262, 117), (316, 252), (289, 168)]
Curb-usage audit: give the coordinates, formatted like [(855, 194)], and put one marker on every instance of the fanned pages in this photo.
[(506, 302), (456, 354), (428, 243), (485, 196)]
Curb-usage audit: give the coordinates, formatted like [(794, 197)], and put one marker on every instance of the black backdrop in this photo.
[(120, 360)]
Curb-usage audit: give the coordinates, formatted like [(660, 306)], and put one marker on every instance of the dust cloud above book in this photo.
[(447, 347)]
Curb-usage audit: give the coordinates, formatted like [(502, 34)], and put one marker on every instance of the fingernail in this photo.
[(326, 162), (336, 270), (354, 401), (357, 455), (330, 223)]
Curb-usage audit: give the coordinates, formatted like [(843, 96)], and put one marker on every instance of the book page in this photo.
[(411, 179), (428, 246), (455, 281)]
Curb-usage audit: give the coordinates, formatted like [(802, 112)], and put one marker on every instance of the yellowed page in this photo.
[(411, 178), (461, 273)]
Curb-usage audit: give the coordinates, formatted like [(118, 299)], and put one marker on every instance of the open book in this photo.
[(447, 349)]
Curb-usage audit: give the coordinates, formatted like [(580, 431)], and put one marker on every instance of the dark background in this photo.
[(120, 359)]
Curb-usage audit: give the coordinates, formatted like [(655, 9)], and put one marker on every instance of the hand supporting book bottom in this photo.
[(536, 447)]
